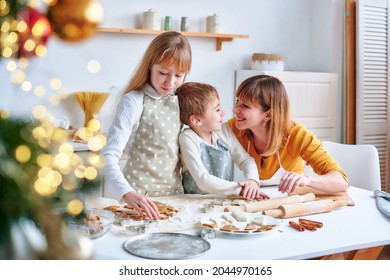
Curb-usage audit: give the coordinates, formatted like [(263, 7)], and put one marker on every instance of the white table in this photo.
[(345, 229)]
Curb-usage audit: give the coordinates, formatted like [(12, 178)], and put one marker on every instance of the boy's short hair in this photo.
[(193, 99)]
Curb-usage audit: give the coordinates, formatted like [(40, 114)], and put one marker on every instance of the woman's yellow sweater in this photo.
[(301, 146)]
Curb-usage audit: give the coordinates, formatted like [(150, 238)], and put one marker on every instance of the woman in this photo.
[(281, 147)]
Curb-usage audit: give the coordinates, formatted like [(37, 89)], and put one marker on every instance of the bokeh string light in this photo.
[(58, 169), (40, 173), (25, 31), (43, 180)]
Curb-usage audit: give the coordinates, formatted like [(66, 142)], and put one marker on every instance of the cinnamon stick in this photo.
[(311, 223), (308, 226), (296, 226)]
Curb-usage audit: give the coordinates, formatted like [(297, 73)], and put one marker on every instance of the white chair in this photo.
[(360, 163)]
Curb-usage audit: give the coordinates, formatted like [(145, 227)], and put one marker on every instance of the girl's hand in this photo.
[(291, 181), (140, 202), (251, 190)]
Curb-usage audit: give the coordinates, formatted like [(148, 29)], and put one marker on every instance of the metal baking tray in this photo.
[(167, 246)]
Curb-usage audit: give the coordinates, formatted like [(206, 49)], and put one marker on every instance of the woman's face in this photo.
[(249, 115), (165, 79)]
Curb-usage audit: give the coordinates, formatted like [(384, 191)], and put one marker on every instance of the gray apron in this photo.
[(217, 161), (153, 165)]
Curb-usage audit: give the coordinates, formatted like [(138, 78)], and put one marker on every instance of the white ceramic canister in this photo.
[(151, 20), (213, 24)]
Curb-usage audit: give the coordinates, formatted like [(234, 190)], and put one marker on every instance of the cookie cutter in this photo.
[(205, 208), (222, 202), (206, 233), (133, 226), (151, 224)]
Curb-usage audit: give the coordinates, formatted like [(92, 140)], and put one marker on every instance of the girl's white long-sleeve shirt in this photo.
[(191, 159)]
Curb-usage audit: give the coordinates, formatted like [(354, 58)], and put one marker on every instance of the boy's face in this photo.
[(212, 119)]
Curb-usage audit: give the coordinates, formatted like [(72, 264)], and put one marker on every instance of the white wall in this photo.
[(308, 32)]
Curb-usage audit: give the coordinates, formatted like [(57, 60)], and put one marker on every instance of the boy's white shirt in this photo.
[(191, 159)]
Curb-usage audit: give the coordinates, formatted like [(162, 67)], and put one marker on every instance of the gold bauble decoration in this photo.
[(75, 20)]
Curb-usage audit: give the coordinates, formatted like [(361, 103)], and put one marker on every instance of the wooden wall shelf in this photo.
[(219, 37)]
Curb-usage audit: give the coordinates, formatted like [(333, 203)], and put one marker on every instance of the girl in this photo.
[(280, 146), (146, 126)]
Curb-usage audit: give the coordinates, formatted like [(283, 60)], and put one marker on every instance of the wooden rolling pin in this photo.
[(306, 208), (267, 204)]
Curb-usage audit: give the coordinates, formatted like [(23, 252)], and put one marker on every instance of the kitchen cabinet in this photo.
[(219, 37)]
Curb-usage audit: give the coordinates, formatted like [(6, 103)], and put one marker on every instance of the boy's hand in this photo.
[(250, 190)]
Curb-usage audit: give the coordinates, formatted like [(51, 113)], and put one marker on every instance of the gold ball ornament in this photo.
[(75, 20)]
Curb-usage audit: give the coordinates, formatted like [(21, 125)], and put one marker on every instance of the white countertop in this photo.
[(347, 228)]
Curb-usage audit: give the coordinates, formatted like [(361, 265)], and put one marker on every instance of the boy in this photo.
[(208, 146)]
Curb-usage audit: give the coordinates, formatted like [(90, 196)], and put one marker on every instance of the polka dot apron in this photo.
[(153, 166), (217, 161)]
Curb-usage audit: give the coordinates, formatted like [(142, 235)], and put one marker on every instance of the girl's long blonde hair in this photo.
[(168, 48), (270, 94)]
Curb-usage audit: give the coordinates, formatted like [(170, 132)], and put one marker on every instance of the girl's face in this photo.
[(212, 118), (249, 115), (165, 79)]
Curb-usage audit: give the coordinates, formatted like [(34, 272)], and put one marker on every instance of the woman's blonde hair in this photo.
[(270, 94), (193, 99), (168, 48)]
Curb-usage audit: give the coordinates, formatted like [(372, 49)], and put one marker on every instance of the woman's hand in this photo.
[(291, 181), (140, 202), (250, 190)]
